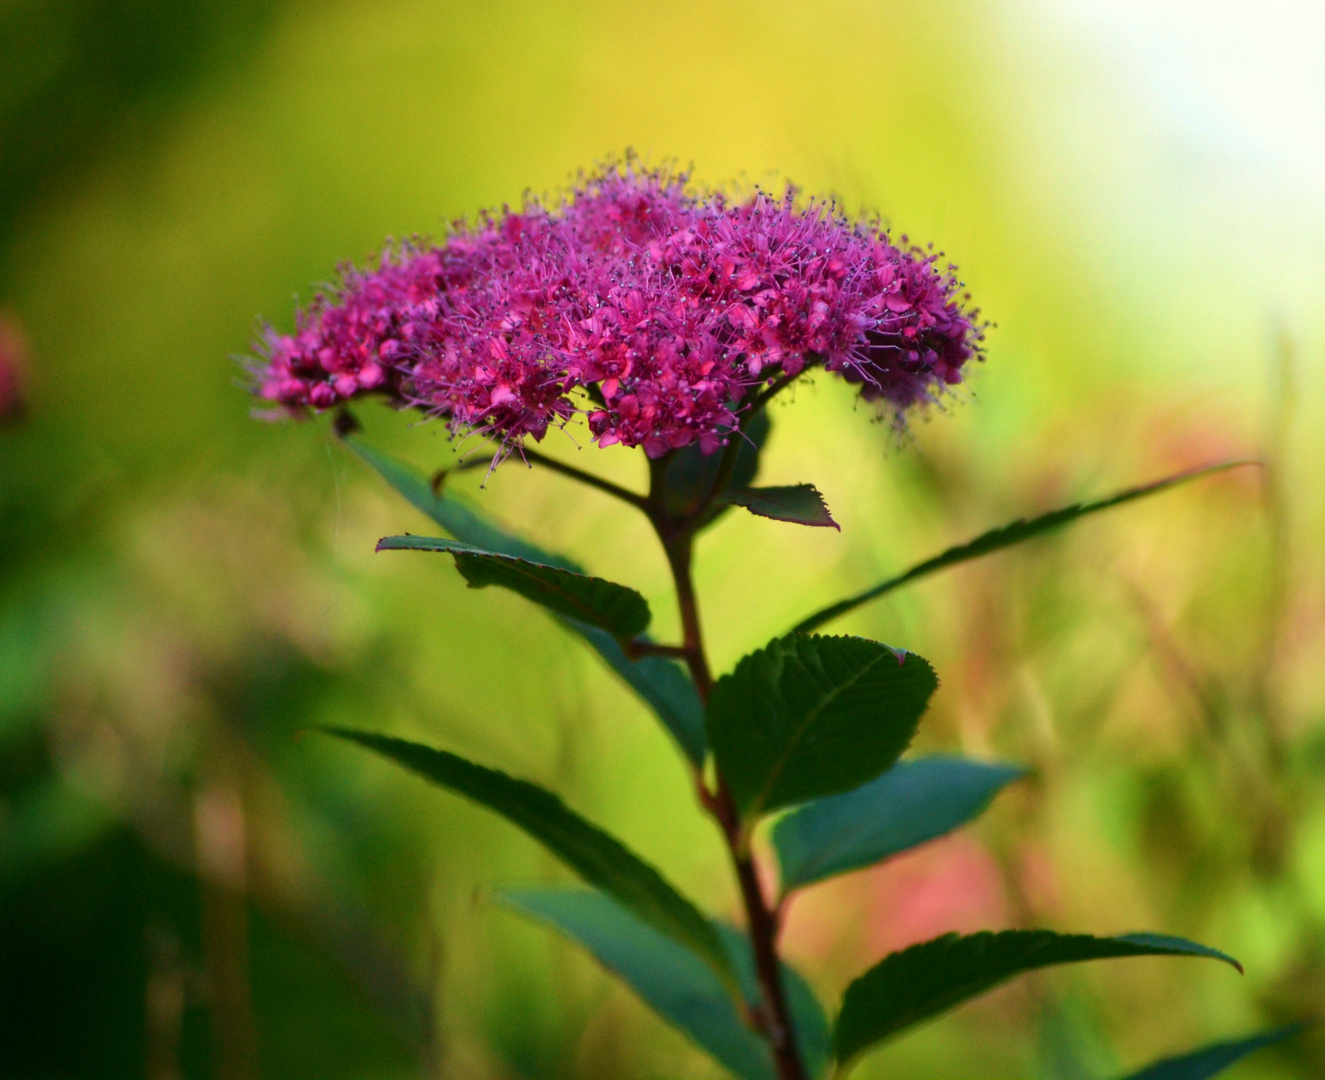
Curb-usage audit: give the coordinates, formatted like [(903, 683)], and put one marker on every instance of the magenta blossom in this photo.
[(657, 311)]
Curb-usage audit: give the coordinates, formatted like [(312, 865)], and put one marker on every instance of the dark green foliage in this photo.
[(102, 920), (675, 984), (619, 610), (600, 859), (800, 504), (660, 682), (1005, 536), (1212, 1060), (911, 803), (691, 474), (810, 720), (807, 716), (916, 984)]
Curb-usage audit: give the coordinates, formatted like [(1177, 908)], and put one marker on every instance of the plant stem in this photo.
[(636, 649), (615, 490), (679, 550), (774, 1017)]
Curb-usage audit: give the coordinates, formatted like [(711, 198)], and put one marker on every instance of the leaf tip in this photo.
[(388, 543), (1181, 946)]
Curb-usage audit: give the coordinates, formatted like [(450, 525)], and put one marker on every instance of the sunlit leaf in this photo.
[(1005, 536), (1214, 1059), (921, 982), (600, 859), (808, 716), (619, 610), (913, 802), (680, 988), (663, 684), (800, 504)]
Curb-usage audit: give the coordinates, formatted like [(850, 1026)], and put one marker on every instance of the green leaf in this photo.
[(663, 684), (918, 983), (806, 717), (913, 802), (800, 504), (1005, 536), (681, 989), (1214, 1059), (600, 859), (689, 474), (619, 610)]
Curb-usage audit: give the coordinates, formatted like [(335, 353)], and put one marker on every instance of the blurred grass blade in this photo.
[(459, 520), (1214, 1059), (663, 684), (670, 979), (619, 610), (916, 984), (913, 802), (806, 717), (800, 504), (1005, 536), (600, 859)]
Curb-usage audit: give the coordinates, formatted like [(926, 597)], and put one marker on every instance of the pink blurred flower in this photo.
[(952, 884)]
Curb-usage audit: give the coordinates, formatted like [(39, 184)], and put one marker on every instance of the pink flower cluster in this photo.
[(658, 311)]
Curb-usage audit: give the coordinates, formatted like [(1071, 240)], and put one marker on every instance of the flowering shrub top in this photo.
[(667, 309), (670, 317)]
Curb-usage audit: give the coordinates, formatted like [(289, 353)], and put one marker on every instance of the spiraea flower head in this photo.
[(349, 340), (658, 310)]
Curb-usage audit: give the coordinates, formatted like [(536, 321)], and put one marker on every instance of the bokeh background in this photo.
[(189, 889)]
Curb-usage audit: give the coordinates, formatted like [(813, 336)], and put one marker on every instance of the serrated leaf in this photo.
[(1005, 536), (619, 610), (663, 684), (672, 981), (599, 858), (910, 804), (1214, 1059), (916, 984), (807, 716), (800, 504)]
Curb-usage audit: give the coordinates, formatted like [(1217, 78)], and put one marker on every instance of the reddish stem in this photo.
[(774, 1016)]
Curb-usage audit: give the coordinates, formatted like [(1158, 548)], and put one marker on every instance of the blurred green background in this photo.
[(1134, 194)]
